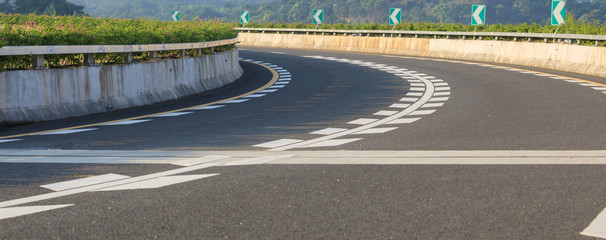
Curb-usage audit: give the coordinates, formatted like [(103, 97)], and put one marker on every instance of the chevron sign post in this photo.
[(478, 15), (175, 16), (318, 17), (244, 17), (395, 16), (558, 12)]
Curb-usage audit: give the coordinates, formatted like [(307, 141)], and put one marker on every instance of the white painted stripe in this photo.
[(385, 113), (282, 71), (175, 114), (188, 162), (209, 107), (258, 160), (433, 105), (83, 182), (513, 70), (328, 131), (278, 68), (399, 105), (6, 213), (9, 140), (268, 91), (236, 101), (255, 96), (278, 52), (284, 79), (363, 121), (526, 72), (128, 122), (376, 131), (440, 84), (604, 92), (285, 76), (417, 85), (157, 182), (597, 228), (574, 81), (588, 85), (414, 89), (278, 143), (498, 67), (277, 86), (429, 77), (561, 78), (442, 94), (542, 75), (600, 88), (439, 99), (404, 121), (282, 83), (407, 99), (438, 89), (437, 81), (414, 94), (421, 112), (415, 81), (331, 143), (63, 132)]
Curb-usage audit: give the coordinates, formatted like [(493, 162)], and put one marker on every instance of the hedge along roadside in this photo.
[(37, 30)]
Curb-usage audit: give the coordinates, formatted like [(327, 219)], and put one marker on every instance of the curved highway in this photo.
[(312, 144)]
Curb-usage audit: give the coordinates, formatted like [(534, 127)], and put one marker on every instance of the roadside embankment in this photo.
[(49, 94), (565, 57)]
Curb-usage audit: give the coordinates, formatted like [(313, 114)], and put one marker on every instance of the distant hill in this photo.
[(344, 11)]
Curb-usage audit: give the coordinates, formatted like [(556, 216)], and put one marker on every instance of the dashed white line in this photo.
[(9, 140), (209, 107), (376, 131), (399, 105), (363, 121), (406, 99), (414, 94), (128, 122), (329, 131), (255, 96), (64, 132), (385, 113), (236, 101), (175, 114), (442, 94)]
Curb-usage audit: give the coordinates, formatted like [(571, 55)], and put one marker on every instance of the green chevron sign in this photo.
[(478, 15), (244, 17), (175, 16), (558, 12), (318, 17), (395, 16)]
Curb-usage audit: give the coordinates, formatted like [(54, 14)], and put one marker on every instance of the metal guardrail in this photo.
[(463, 35), (38, 52)]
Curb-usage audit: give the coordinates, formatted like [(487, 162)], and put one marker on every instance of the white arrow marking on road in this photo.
[(244, 17), (476, 15), (317, 16), (557, 12), (394, 15)]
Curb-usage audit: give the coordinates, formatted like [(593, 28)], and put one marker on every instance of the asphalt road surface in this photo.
[(324, 145)]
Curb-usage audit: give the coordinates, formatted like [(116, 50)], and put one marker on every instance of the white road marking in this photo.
[(599, 88), (284, 79), (560, 78), (414, 94), (282, 83), (209, 107), (433, 105), (9, 140), (438, 89), (278, 143), (597, 228), (329, 131), (277, 86), (440, 84), (422, 112), (268, 91), (542, 75), (414, 89), (439, 99), (399, 105), (278, 52), (437, 81), (128, 122), (175, 114), (407, 99), (6, 213), (604, 92), (363, 121), (375, 131), (255, 96), (282, 71), (385, 113), (258, 160), (330, 143), (84, 182), (418, 85), (574, 81), (64, 132), (188, 162), (442, 94), (404, 121), (588, 85), (236, 101), (415, 81), (156, 182)]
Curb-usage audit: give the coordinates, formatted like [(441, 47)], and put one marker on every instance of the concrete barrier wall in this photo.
[(566, 57), (49, 94)]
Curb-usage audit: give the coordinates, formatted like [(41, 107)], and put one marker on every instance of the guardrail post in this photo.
[(89, 59), (129, 57), (515, 39), (496, 38), (154, 55), (182, 54), (596, 42), (199, 52), (38, 61)]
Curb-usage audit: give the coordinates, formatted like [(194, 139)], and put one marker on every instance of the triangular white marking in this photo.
[(331, 143), (157, 182), (376, 130), (11, 212), (278, 143), (83, 182), (329, 131)]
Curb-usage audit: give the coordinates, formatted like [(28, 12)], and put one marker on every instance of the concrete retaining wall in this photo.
[(49, 94), (566, 57)]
